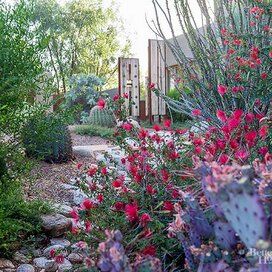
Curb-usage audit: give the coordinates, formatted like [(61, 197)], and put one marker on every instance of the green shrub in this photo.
[(95, 131), (174, 94), (47, 138), (18, 218), (102, 117)]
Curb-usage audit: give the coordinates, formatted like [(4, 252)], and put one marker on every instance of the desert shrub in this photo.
[(47, 137), (174, 94), (91, 130), (83, 93), (231, 57)]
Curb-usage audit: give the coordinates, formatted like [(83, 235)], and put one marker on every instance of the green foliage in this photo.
[(18, 218), (47, 137), (90, 43), (101, 117), (95, 131), (174, 94)]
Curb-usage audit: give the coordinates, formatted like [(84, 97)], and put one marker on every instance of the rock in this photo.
[(6, 264), (65, 266), (75, 258), (37, 252), (25, 268), (60, 241), (21, 258), (46, 252), (68, 187), (56, 224), (63, 209), (79, 196), (43, 263)]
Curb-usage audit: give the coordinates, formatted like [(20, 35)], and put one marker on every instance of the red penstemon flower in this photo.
[(87, 204), (263, 131), (59, 258), (145, 219), (167, 123), (196, 112), (101, 103), (127, 126), (156, 127), (221, 115), (131, 211), (222, 89), (149, 250), (168, 206)]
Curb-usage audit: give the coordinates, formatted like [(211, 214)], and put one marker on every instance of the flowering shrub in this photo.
[(138, 195)]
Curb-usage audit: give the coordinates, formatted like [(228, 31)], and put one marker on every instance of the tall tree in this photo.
[(84, 37)]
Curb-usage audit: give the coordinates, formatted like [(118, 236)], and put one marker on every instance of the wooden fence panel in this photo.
[(157, 75), (129, 82)]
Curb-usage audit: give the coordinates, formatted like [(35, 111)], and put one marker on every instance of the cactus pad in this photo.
[(225, 235)]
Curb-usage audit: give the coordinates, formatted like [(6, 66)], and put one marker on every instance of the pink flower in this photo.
[(270, 54), (125, 95), (151, 86), (250, 117), (127, 126), (168, 206), (104, 171), (92, 170), (222, 89), (143, 133), (116, 97), (156, 127), (145, 219), (263, 131), (241, 155), (101, 103), (52, 253), (196, 112), (221, 115), (117, 183), (87, 204), (149, 250), (150, 190), (167, 123), (79, 165), (250, 137), (131, 211), (223, 159), (74, 214), (88, 226), (263, 150), (264, 75), (100, 198), (59, 259), (119, 206), (238, 113)]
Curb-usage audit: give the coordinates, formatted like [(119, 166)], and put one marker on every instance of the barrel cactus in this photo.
[(47, 138), (102, 117)]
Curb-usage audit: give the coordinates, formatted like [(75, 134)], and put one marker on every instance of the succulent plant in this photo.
[(102, 117), (113, 257), (147, 264)]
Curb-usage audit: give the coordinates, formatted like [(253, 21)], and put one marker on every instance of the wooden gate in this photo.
[(129, 83), (157, 75)]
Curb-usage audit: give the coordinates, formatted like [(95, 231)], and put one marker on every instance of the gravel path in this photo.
[(45, 179)]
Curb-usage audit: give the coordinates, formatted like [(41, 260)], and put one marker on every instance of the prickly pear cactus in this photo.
[(244, 211), (102, 117), (196, 219), (216, 267), (225, 235), (113, 257), (147, 264)]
